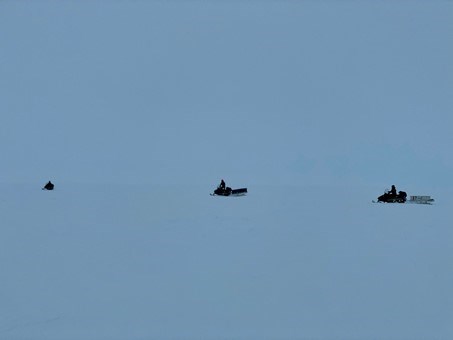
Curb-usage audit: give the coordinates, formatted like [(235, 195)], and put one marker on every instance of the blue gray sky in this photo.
[(255, 92)]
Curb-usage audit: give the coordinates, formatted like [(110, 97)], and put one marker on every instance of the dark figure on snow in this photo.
[(222, 189), (392, 191), (48, 186), (392, 197)]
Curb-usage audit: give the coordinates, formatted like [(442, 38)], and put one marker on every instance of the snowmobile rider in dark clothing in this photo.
[(48, 186), (222, 185)]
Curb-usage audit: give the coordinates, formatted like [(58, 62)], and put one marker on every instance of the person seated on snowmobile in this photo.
[(48, 186), (222, 189)]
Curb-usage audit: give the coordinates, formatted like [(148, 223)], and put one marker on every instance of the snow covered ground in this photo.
[(110, 262)]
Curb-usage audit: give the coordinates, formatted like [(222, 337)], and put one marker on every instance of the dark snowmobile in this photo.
[(388, 197), (48, 186), (229, 192)]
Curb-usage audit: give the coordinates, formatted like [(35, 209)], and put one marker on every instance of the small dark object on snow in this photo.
[(223, 190), (392, 197), (48, 186)]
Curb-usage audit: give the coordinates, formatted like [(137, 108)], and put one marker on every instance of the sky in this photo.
[(255, 92)]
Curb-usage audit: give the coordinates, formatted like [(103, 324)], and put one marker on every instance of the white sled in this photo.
[(421, 200)]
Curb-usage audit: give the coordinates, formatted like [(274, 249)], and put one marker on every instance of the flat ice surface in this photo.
[(171, 263)]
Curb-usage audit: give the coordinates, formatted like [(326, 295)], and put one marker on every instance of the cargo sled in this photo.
[(421, 200)]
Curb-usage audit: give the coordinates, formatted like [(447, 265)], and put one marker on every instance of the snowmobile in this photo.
[(388, 197), (227, 191), (401, 197), (48, 186)]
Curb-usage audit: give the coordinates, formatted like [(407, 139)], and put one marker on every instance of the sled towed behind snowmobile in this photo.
[(401, 197)]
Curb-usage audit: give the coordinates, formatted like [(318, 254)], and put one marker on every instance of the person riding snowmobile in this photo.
[(48, 186), (391, 196), (222, 189)]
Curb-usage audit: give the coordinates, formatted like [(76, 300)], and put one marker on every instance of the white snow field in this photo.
[(112, 262)]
